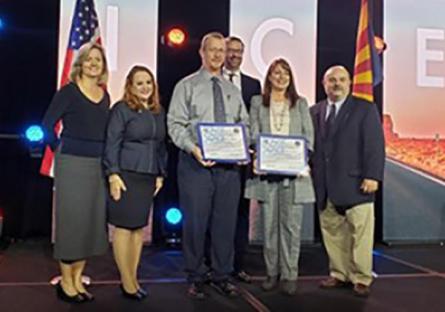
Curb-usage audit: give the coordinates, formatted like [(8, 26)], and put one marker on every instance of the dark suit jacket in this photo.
[(249, 87), (135, 141), (354, 151)]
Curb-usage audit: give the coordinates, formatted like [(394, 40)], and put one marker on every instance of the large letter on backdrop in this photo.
[(285, 29)]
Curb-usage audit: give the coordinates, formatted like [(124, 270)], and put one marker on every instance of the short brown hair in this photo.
[(132, 101), (206, 37), (235, 39), (291, 92), (76, 69)]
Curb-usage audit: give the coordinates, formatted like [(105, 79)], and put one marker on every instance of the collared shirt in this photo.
[(236, 79), (192, 102), (337, 104)]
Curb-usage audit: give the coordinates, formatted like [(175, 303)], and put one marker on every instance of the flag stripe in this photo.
[(66, 68), (363, 39), (363, 78), (363, 55), (364, 66), (363, 88), (364, 95)]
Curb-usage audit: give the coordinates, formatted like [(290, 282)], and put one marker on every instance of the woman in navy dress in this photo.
[(135, 163)]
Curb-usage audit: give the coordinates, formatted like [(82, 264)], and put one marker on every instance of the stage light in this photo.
[(376, 253), (34, 133), (172, 226), (2, 25), (173, 216), (176, 37)]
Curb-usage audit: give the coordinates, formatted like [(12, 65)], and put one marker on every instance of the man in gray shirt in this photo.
[(208, 192)]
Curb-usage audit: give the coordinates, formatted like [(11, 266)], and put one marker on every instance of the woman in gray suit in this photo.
[(281, 111)]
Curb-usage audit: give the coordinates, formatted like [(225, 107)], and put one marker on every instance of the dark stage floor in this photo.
[(409, 278)]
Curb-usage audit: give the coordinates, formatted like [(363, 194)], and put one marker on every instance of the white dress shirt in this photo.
[(236, 78), (337, 104)]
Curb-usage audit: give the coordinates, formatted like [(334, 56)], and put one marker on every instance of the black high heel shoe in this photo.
[(61, 294), (143, 292), (87, 296), (138, 296)]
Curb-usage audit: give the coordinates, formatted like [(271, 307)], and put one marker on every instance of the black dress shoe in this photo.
[(242, 276), (136, 296), (196, 291), (87, 296), (208, 277), (225, 288), (62, 295)]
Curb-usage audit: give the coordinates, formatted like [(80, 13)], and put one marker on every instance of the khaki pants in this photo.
[(349, 241)]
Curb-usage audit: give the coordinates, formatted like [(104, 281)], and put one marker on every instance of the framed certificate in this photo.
[(282, 155), (223, 142)]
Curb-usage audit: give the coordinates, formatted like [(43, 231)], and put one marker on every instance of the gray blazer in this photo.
[(300, 123)]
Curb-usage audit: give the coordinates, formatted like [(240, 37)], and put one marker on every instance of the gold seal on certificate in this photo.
[(282, 155), (223, 142)]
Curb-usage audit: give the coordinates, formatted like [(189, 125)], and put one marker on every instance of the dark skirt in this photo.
[(80, 207), (133, 208)]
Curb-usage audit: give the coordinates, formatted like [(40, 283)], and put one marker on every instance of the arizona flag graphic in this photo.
[(84, 30), (367, 66)]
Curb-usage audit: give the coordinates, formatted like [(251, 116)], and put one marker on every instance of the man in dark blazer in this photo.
[(347, 166), (249, 87)]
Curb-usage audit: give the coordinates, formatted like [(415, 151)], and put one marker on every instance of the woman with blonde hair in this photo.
[(80, 197), (135, 163)]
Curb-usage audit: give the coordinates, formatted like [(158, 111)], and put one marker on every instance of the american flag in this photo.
[(84, 30)]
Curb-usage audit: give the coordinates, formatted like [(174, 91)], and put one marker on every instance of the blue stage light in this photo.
[(173, 215), (34, 133), (2, 24), (376, 253)]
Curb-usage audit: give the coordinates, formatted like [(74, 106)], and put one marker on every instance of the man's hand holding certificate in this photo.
[(223, 142), (282, 155)]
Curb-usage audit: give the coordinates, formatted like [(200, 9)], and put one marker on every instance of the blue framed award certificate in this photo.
[(282, 155), (223, 142)]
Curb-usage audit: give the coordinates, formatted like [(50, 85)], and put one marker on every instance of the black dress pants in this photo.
[(209, 198)]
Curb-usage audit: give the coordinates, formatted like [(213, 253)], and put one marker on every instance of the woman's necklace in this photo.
[(278, 110)]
